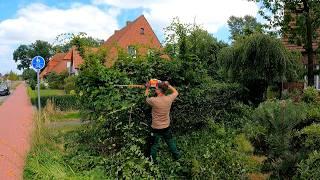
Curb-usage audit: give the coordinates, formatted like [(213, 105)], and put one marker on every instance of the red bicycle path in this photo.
[(16, 115)]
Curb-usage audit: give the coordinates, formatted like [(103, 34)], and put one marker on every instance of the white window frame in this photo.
[(317, 83), (132, 51)]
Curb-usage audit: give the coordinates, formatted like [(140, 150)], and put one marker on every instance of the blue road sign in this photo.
[(38, 62)]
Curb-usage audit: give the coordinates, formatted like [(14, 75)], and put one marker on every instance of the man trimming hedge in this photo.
[(160, 127)]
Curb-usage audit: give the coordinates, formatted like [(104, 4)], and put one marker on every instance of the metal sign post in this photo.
[(38, 63), (38, 83)]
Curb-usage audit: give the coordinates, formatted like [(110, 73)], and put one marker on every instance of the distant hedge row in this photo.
[(64, 102)]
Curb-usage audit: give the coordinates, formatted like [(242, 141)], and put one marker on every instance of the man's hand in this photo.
[(174, 90), (147, 85)]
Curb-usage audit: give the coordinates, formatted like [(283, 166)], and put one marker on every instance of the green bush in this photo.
[(43, 86), (312, 137), (56, 81), (64, 102), (243, 144), (309, 168), (120, 117), (310, 95), (280, 119), (313, 113), (69, 84), (206, 154)]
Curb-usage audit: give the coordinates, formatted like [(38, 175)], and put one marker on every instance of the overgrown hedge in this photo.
[(64, 102), (120, 117)]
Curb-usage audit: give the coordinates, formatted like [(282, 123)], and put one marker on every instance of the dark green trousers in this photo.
[(166, 135)]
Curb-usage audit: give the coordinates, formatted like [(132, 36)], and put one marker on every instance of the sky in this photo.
[(25, 21)]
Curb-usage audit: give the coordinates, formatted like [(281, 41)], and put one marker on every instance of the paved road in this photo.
[(16, 115)]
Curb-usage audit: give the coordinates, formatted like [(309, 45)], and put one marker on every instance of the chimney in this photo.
[(128, 22), (115, 31)]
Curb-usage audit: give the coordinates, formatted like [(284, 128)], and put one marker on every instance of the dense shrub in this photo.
[(214, 156), (311, 137), (243, 144), (280, 118), (30, 76), (69, 84), (310, 95), (65, 102), (56, 81), (120, 117), (309, 168)]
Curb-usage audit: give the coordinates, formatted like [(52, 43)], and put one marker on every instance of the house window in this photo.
[(317, 80), (305, 78), (141, 30), (69, 67), (132, 51)]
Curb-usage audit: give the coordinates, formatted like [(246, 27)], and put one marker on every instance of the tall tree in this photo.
[(243, 26), (24, 53), (191, 40), (256, 62), (80, 40), (299, 19)]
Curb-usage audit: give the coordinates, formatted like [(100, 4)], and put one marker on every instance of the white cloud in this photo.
[(212, 14), (127, 4), (38, 21)]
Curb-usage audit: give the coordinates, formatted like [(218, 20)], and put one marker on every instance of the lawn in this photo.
[(45, 92), (65, 116)]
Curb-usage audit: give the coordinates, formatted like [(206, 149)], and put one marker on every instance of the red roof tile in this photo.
[(53, 62), (76, 58), (132, 34)]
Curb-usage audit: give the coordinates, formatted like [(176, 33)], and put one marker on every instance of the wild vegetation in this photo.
[(222, 128)]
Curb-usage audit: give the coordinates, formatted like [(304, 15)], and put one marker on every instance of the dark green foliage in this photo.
[(120, 117), (69, 84), (30, 76), (80, 40), (280, 119), (310, 95), (309, 168), (206, 154), (311, 137), (214, 156), (241, 27), (65, 102), (191, 42), (256, 62), (56, 81), (24, 53)]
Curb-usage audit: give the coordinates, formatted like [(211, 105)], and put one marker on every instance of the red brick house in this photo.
[(137, 39), (56, 64), (63, 62), (300, 48)]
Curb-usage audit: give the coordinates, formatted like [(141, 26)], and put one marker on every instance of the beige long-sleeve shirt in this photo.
[(161, 106)]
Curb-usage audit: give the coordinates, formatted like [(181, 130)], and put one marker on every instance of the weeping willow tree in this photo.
[(256, 62)]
